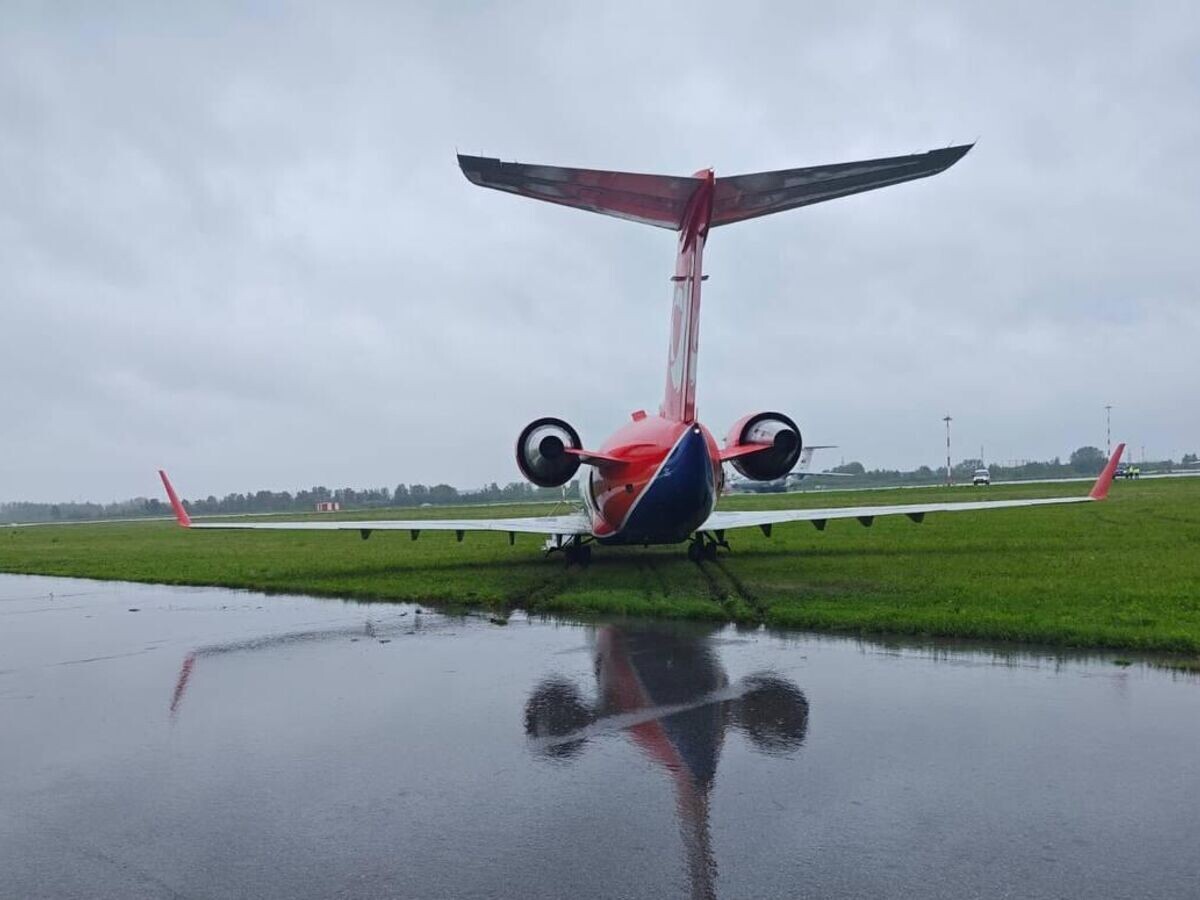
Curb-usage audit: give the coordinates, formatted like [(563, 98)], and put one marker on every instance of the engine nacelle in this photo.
[(775, 460), (542, 452)]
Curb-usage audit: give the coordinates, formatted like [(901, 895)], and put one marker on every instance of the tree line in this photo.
[(403, 495), (1084, 461)]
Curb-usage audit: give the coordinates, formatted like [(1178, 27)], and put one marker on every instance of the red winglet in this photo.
[(1104, 482), (180, 513)]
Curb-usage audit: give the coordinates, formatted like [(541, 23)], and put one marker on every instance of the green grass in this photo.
[(1120, 574)]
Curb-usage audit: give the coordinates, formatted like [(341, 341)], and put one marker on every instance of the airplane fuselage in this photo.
[(666, 485)]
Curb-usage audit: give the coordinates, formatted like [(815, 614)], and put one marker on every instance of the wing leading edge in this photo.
[(564, 526), (764, 519)]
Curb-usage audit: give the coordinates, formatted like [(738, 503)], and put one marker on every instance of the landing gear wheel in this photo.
[(578, 553), (695, 551), (710, 551)]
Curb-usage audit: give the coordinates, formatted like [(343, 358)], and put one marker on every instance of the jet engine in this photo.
[(542, 452), (780, 440)]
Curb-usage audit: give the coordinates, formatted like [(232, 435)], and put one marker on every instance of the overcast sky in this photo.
[(236, 244)]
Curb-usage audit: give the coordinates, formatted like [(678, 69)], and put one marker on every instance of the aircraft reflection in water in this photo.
[(667, 691), (663, 687), (372, 629)]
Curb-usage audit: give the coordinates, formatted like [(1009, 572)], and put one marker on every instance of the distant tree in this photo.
[(400, 496), (1190, 459), (442, 493), (966, 467), (850, 468), (1087, 460)]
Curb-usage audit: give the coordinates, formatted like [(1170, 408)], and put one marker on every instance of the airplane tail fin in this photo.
[(806, 455), (691, 205)]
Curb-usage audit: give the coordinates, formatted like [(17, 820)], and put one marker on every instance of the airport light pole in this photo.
[(1108, 431), (949, 476)]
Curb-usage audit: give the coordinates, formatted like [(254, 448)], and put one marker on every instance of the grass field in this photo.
[(1119, 574)]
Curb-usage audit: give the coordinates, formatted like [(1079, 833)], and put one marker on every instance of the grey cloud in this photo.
[(233, 240)]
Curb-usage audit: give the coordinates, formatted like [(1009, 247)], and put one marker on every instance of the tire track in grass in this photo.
[(529, 596), (715, 589), (740, 591), (654, 578)]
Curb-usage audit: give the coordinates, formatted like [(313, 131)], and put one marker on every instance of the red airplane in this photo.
[(657, 479)]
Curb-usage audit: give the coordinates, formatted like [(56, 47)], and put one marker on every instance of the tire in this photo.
[(695, 551), (710, 552), (578, 554)]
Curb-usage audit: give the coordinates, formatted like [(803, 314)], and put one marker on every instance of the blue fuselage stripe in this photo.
[(678, 500)]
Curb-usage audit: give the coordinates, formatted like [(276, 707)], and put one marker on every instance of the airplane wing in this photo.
[(553, 526), (726, 520)]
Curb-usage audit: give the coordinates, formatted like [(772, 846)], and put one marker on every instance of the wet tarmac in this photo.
[(179, 742)]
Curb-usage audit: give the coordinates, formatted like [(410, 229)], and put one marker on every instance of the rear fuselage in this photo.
[(665, 487)]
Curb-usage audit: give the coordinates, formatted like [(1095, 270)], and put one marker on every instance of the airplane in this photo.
[(657, 479), (797, 475)]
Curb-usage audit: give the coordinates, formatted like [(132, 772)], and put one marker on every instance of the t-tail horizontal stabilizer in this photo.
[(662, 200)]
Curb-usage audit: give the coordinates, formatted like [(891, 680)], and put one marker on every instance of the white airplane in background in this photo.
[(779, 485)]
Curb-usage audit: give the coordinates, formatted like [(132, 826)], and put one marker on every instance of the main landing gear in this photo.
[(704, 546), (574, 550), (579, 554)]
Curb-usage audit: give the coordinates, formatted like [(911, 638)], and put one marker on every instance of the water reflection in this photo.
[(666, 690), (371, 629)]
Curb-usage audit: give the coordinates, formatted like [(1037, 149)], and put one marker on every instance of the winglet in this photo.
[(1104, 482), (176, 504)]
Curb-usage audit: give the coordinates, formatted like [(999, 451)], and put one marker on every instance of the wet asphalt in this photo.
[(180, 742)]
